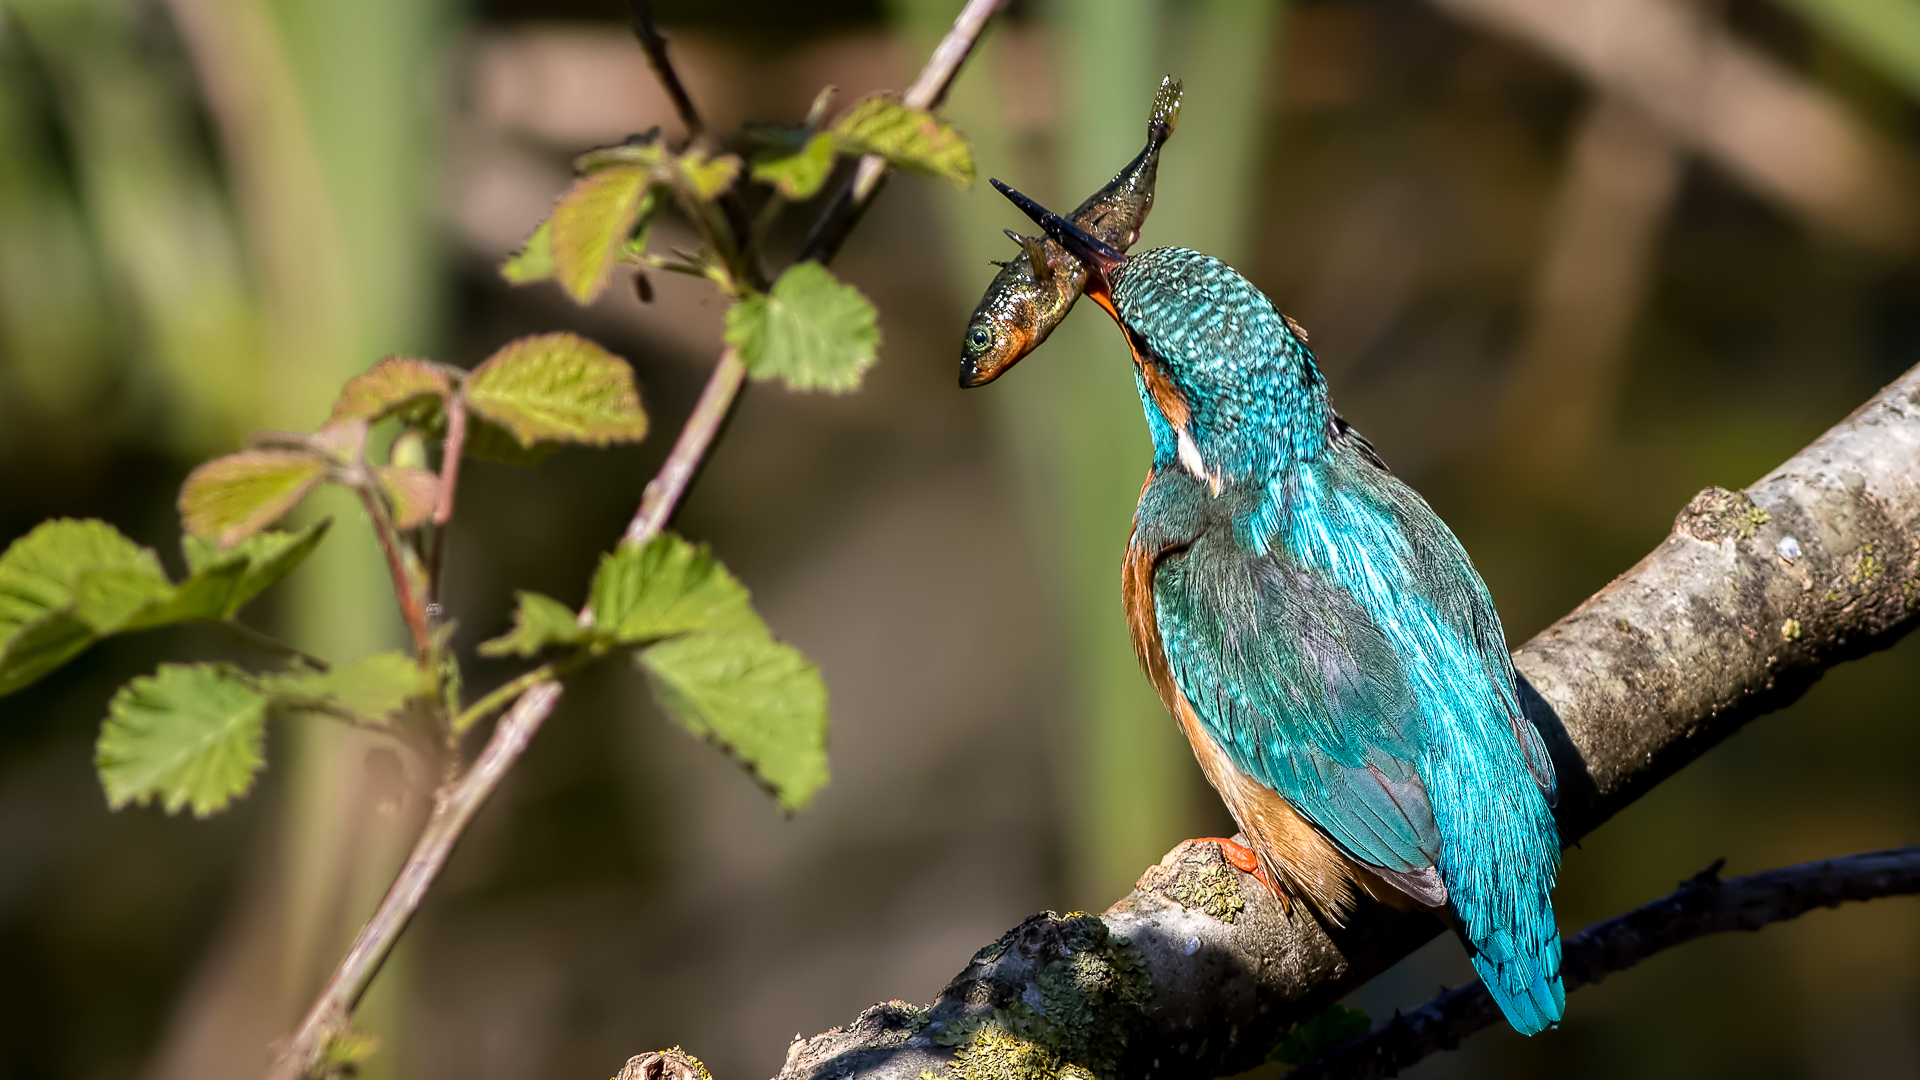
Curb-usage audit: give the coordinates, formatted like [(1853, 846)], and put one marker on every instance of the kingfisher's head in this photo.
[(1230, 391)]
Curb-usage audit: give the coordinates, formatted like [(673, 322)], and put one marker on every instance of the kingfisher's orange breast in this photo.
[(1293, 852)]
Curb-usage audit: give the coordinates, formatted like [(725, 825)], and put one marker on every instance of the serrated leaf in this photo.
[(798, 175), (488, 441), (267, 557), (811, 331), (373, 687), (909, 138), (535, 259), (707, 178), (187, 736), (538, 622), (1322, 1032), (41, 645), (230, 498), (39, 570), (413, 492), (208, 596), (759, 700), (591, 225), (387, 387), (108, 599), (558, 387), (665, 588)]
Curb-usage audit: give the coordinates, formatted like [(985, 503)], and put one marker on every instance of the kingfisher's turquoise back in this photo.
[(1328, 629)]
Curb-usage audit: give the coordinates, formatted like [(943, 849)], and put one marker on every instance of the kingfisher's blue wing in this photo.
[(1303, 691)]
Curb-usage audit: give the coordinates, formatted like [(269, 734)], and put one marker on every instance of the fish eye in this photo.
[(979, 337)]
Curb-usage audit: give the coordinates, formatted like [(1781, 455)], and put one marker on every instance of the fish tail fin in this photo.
[(1523, 977), (1166, 111)]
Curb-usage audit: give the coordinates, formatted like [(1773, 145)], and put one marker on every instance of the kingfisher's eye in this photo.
[(980, 337)]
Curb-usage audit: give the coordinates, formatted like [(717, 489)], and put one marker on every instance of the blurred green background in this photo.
[(1565, 262)]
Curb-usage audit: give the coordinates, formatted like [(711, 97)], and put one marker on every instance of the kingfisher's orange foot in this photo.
[(1240, 857)]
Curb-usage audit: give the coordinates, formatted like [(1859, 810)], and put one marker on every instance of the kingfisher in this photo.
[(1320, 635)]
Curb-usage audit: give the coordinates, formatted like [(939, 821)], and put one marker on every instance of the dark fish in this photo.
[(1035, 290)]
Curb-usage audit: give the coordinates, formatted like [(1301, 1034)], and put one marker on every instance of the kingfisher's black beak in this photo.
[(1100, 258)]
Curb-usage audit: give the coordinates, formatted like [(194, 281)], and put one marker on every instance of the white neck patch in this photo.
[(1191, 461)]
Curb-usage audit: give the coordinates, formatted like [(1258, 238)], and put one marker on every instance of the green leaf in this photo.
[(1312, 1037), (539, 621), (535, 260), (40, 646), (811, 331), (208, 596), (230, 498), (912, 139), (558, 387), (387, 387), (708, 178), (267, 557), (187, 736), (413, 492), (488, 441), (665, 588), (759, 700), (373, 687), (108, 600), (38, 572), (646, 153), (798, 175), (591, 225)]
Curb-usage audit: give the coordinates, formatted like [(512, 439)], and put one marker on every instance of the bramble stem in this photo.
[(450, 453), (453, 808), (412, 606), (709, 413)]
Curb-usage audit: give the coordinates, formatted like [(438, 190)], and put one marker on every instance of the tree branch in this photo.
[(1735, 614), (1702, 905), (453, 808)]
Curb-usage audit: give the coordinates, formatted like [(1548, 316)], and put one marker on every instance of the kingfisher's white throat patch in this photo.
[(1191, 461)]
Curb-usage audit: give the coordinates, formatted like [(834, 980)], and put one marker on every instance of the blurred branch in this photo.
[(453, 808), (1772, 130), (1702, 905), (1621, 177), (1735, 614)]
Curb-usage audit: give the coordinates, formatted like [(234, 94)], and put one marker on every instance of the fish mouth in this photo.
[(976, 373)]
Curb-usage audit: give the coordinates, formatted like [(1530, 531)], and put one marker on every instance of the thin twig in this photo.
[(709, 413), (654, 44), (450, 454), (453, 808), (413, 607), (1702, 905), (927, 92)]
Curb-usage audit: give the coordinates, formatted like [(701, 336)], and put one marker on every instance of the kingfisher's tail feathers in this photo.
[(1524, 983), (1166, 111)]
